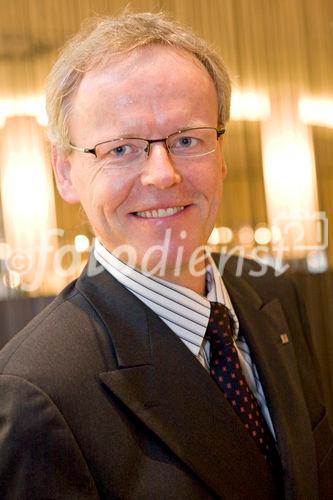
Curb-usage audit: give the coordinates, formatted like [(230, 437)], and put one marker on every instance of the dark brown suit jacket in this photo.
[(99, 399)]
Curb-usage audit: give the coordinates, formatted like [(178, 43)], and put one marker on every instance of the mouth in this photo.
[(159, 213)]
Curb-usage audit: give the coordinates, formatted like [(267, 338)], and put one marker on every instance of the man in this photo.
[(116, 389)]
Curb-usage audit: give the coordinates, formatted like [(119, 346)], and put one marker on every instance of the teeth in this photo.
[(161, 212)]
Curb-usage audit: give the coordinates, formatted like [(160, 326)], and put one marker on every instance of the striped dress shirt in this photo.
[(186, 312)]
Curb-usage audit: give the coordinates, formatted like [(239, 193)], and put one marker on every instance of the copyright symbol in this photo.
[(19, 262)]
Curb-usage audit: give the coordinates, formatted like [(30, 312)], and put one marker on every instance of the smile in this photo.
[(161, 212)]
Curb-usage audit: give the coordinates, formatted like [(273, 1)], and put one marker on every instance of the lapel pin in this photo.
[(284, 338)]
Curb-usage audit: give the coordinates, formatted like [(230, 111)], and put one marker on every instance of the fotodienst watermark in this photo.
[(299, 233)]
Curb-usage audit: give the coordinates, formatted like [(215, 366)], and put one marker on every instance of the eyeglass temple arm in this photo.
[(84, 150), (220, 132)]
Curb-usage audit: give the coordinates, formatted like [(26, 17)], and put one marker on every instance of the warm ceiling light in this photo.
[(5, 251), (276, 234), (81, 243), (250, 105), (245, 235), (221, 235), (225, 234), (214, 238), (290, 182), (262, 235), (23, 106), (316, 111), (11, 279), (317, 262), (27, 196)]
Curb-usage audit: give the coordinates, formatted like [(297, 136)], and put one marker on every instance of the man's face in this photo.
[(151, 93)]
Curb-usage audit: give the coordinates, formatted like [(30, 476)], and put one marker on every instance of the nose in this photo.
[(159, 170)]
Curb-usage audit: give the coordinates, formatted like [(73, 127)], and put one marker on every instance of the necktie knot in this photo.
[(219, 328)]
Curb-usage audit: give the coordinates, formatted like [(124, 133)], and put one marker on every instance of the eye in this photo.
[(185, 142), (122, 150), (185, 145)]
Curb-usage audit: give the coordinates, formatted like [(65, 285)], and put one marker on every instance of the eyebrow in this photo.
[(129, 135)]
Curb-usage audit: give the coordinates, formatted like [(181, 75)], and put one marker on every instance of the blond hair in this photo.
[(101, 38)]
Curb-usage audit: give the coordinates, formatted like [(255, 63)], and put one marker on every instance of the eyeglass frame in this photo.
[(219, 133)]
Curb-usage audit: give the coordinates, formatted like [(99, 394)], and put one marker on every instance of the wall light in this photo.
[(23, 106), (262, 235), (220, 236), (246, 235), (81, 243), (12, 279), (316, 111), (276, 234), (214, 238), (5, 251), (250, 105), (290, 180), (27, 198)]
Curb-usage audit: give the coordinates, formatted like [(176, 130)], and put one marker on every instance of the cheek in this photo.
[(102, 189), (218, 185), (213, 183), (214, 198)]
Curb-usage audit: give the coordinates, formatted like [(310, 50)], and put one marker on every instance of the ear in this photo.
[(224, 168), (62, 171)]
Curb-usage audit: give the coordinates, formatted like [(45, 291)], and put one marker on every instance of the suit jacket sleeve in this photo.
[(39, 456)]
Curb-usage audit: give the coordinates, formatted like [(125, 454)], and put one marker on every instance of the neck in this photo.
[(195, 283), (192, 277)]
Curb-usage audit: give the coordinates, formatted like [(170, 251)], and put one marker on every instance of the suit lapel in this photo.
[(262, 325), (166, 388)]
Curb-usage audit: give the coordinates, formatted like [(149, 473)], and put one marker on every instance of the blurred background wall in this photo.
[(278, 199)]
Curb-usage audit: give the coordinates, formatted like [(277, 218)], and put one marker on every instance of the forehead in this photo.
[(152, 60), (150, 79)]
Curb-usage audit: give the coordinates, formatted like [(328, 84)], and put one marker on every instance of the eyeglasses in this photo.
[(125, 151)]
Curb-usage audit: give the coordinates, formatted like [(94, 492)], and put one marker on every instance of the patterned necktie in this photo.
[(226, 370)]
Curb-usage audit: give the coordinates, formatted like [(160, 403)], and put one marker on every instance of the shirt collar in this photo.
[(183, 310)]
